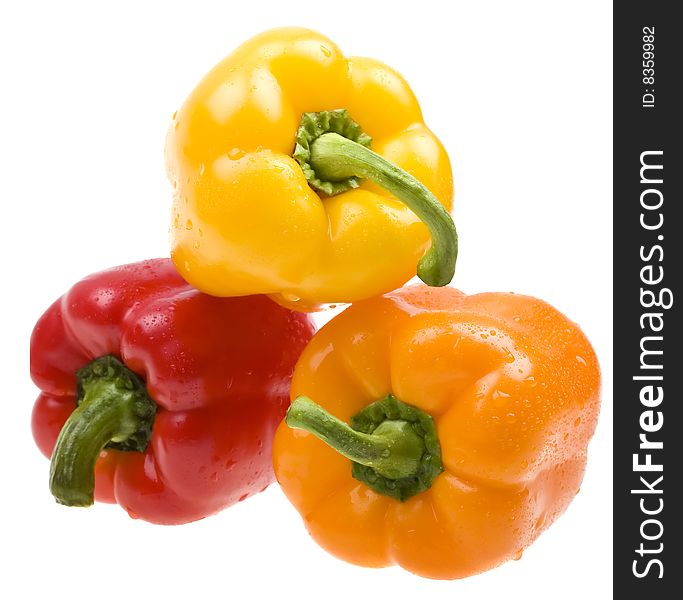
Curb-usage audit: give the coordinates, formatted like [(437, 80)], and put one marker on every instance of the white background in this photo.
[(519, 92)]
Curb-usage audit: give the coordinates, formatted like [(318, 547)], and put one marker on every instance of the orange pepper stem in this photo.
[(398, 454), (394, 450), (334, 155), (114, 410)]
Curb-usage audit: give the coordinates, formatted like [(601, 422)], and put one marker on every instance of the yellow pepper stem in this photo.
[(336, 158), (334, 154)]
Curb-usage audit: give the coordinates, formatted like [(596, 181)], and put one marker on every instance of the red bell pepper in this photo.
[(159, 397)]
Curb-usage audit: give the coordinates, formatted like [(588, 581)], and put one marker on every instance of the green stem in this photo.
[(114, 409), (394, 450), (336, 158)]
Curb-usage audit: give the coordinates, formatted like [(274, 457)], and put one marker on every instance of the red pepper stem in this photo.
[(113, 408), (394, 449)]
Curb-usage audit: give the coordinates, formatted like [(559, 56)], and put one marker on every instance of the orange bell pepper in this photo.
[(470, 419)]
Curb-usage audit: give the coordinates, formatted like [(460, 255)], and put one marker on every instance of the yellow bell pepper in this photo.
[(276, 190)]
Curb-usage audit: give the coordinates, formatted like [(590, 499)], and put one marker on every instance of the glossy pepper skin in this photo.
[(245, 219), (513, 388), (217, 369)]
